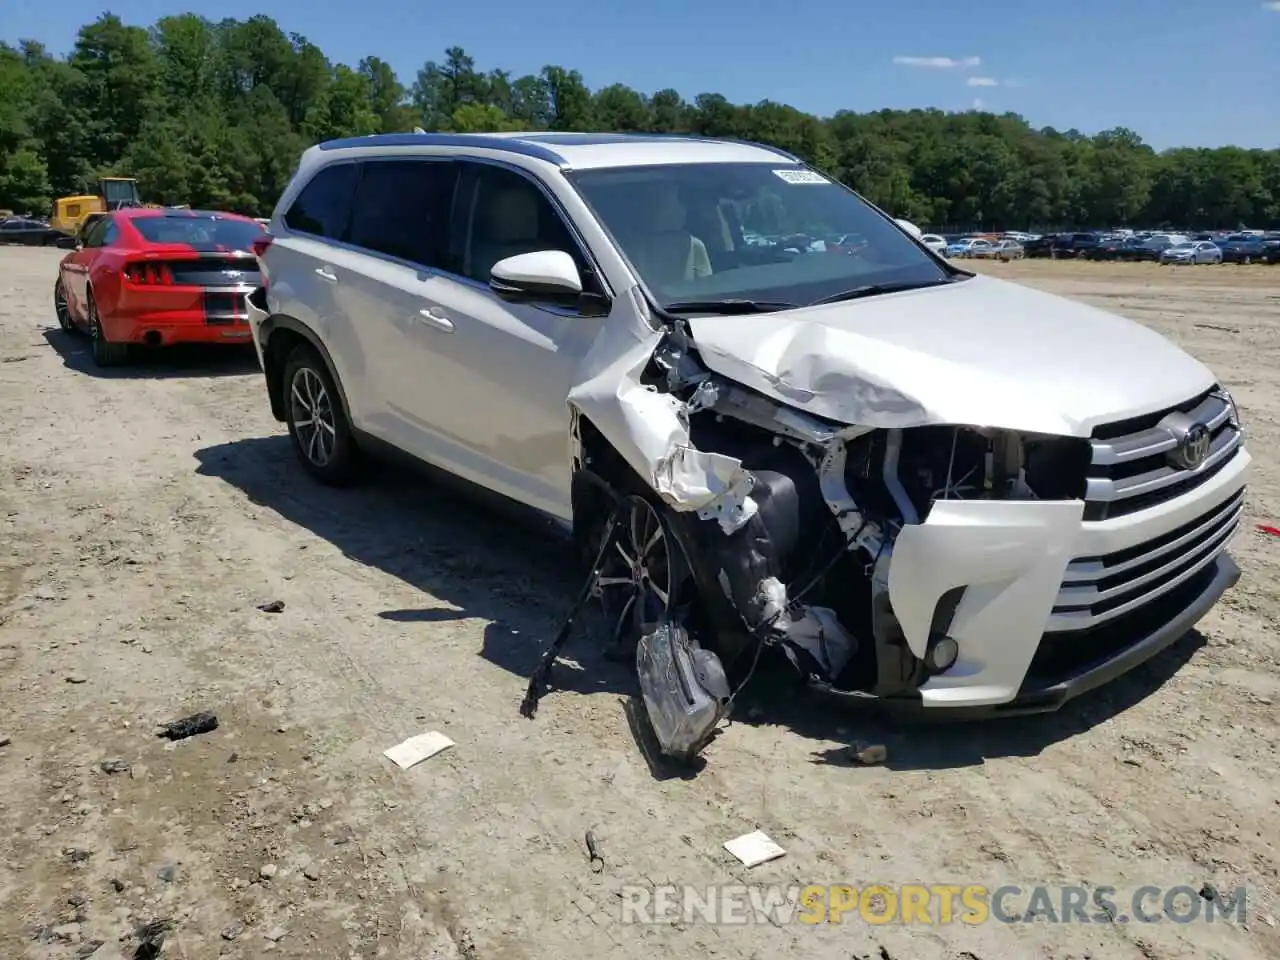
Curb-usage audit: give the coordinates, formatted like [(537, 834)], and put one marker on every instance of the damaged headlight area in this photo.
[(732, 533)]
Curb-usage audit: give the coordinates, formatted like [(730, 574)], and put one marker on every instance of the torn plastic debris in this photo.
[(684, 688)]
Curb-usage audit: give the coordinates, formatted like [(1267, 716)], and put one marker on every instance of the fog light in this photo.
[(942, 654)]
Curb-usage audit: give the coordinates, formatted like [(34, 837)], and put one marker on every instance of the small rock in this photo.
[(88, 948), (268, 871), (67, 931), (77, 900), (117, 885), (1133, 761), (168, 872), (868, 753), (233, 931), (1209, 892), (272, 606), (276, 934), (311, 872), (76, 678), (115, 765), (76, 855), (5, 741)]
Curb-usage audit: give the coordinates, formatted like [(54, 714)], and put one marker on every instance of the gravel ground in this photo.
[(147, 514)]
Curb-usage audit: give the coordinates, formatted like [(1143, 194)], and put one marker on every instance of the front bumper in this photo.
[(1055, 605)]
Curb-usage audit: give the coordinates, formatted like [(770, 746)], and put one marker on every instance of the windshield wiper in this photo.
[(875, 289), (730, 306)]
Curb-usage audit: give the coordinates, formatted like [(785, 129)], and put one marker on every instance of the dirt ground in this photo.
[(145, 516)]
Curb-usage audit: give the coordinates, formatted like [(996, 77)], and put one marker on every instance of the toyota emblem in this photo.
[(1193, 446)]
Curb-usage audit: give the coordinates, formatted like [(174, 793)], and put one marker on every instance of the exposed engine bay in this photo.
[(752, 525)]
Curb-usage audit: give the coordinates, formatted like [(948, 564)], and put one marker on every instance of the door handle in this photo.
[(433, 319), (324, 273)]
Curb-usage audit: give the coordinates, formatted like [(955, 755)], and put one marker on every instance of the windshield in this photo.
[(119, 191), (1183, 246), (205, 233), (718, 231)]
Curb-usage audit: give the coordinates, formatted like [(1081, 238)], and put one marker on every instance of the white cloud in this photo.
[(940, 63), (1272, 5), (983, 82)]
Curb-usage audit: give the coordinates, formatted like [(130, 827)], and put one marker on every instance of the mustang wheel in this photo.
[(318, 424), (105, 353), (61, 308)]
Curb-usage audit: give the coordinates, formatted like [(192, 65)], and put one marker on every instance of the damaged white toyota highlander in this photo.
[(773, 419)]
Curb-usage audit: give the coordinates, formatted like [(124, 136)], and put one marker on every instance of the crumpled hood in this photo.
[(982, 352)]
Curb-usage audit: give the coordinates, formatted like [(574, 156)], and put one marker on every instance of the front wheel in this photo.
[(322, 434), (61, 308)]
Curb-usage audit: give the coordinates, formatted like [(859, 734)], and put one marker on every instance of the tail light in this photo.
[(259, 247), (149, 274)]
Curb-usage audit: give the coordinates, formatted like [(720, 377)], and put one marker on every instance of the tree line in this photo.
[(216, 115)]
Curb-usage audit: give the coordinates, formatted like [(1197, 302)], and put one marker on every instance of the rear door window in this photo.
[(323, 208), (402, 209)]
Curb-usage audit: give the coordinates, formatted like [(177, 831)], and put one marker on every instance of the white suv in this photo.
[(916, 482)]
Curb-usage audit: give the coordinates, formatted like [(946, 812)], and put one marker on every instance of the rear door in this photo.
[(307, 266), (400, 223)]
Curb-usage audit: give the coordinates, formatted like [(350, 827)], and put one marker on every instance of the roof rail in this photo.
[(475, 141)]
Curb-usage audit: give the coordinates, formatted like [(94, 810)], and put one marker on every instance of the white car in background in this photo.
[(1192, 252), (918, 483), (935, 243)]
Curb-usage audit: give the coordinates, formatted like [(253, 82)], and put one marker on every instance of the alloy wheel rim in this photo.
[(311, 410), (60, 304), (636, 585)]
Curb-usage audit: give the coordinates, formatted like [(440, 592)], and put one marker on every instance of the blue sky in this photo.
[(1179, 72)]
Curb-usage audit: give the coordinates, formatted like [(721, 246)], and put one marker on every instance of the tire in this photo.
[(62, 309), (318, 425), (105, 352)]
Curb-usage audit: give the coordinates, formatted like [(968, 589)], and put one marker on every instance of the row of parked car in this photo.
[(1156, 247)]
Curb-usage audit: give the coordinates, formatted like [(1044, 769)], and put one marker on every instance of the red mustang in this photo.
[(158, 277)]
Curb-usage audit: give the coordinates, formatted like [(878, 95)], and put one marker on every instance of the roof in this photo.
[(133, 213), (582, 150)]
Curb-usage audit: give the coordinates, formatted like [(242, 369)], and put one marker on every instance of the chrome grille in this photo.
[(1135, 464), (1097, 589)]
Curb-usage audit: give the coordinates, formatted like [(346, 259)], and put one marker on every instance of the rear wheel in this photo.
[(61, 307), (105, 352), (322, 434)]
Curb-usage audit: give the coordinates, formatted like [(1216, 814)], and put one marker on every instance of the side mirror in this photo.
[(541, 275), (67, 243), (910, 227)]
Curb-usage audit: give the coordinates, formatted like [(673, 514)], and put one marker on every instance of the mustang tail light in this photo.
[(259, 247), (149, 274)]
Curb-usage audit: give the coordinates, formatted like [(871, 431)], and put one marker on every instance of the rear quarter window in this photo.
[(323, 207)]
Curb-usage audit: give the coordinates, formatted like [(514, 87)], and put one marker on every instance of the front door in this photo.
[(492, 377)]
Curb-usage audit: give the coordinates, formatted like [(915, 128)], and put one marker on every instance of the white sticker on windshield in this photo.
[(800, 176)]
